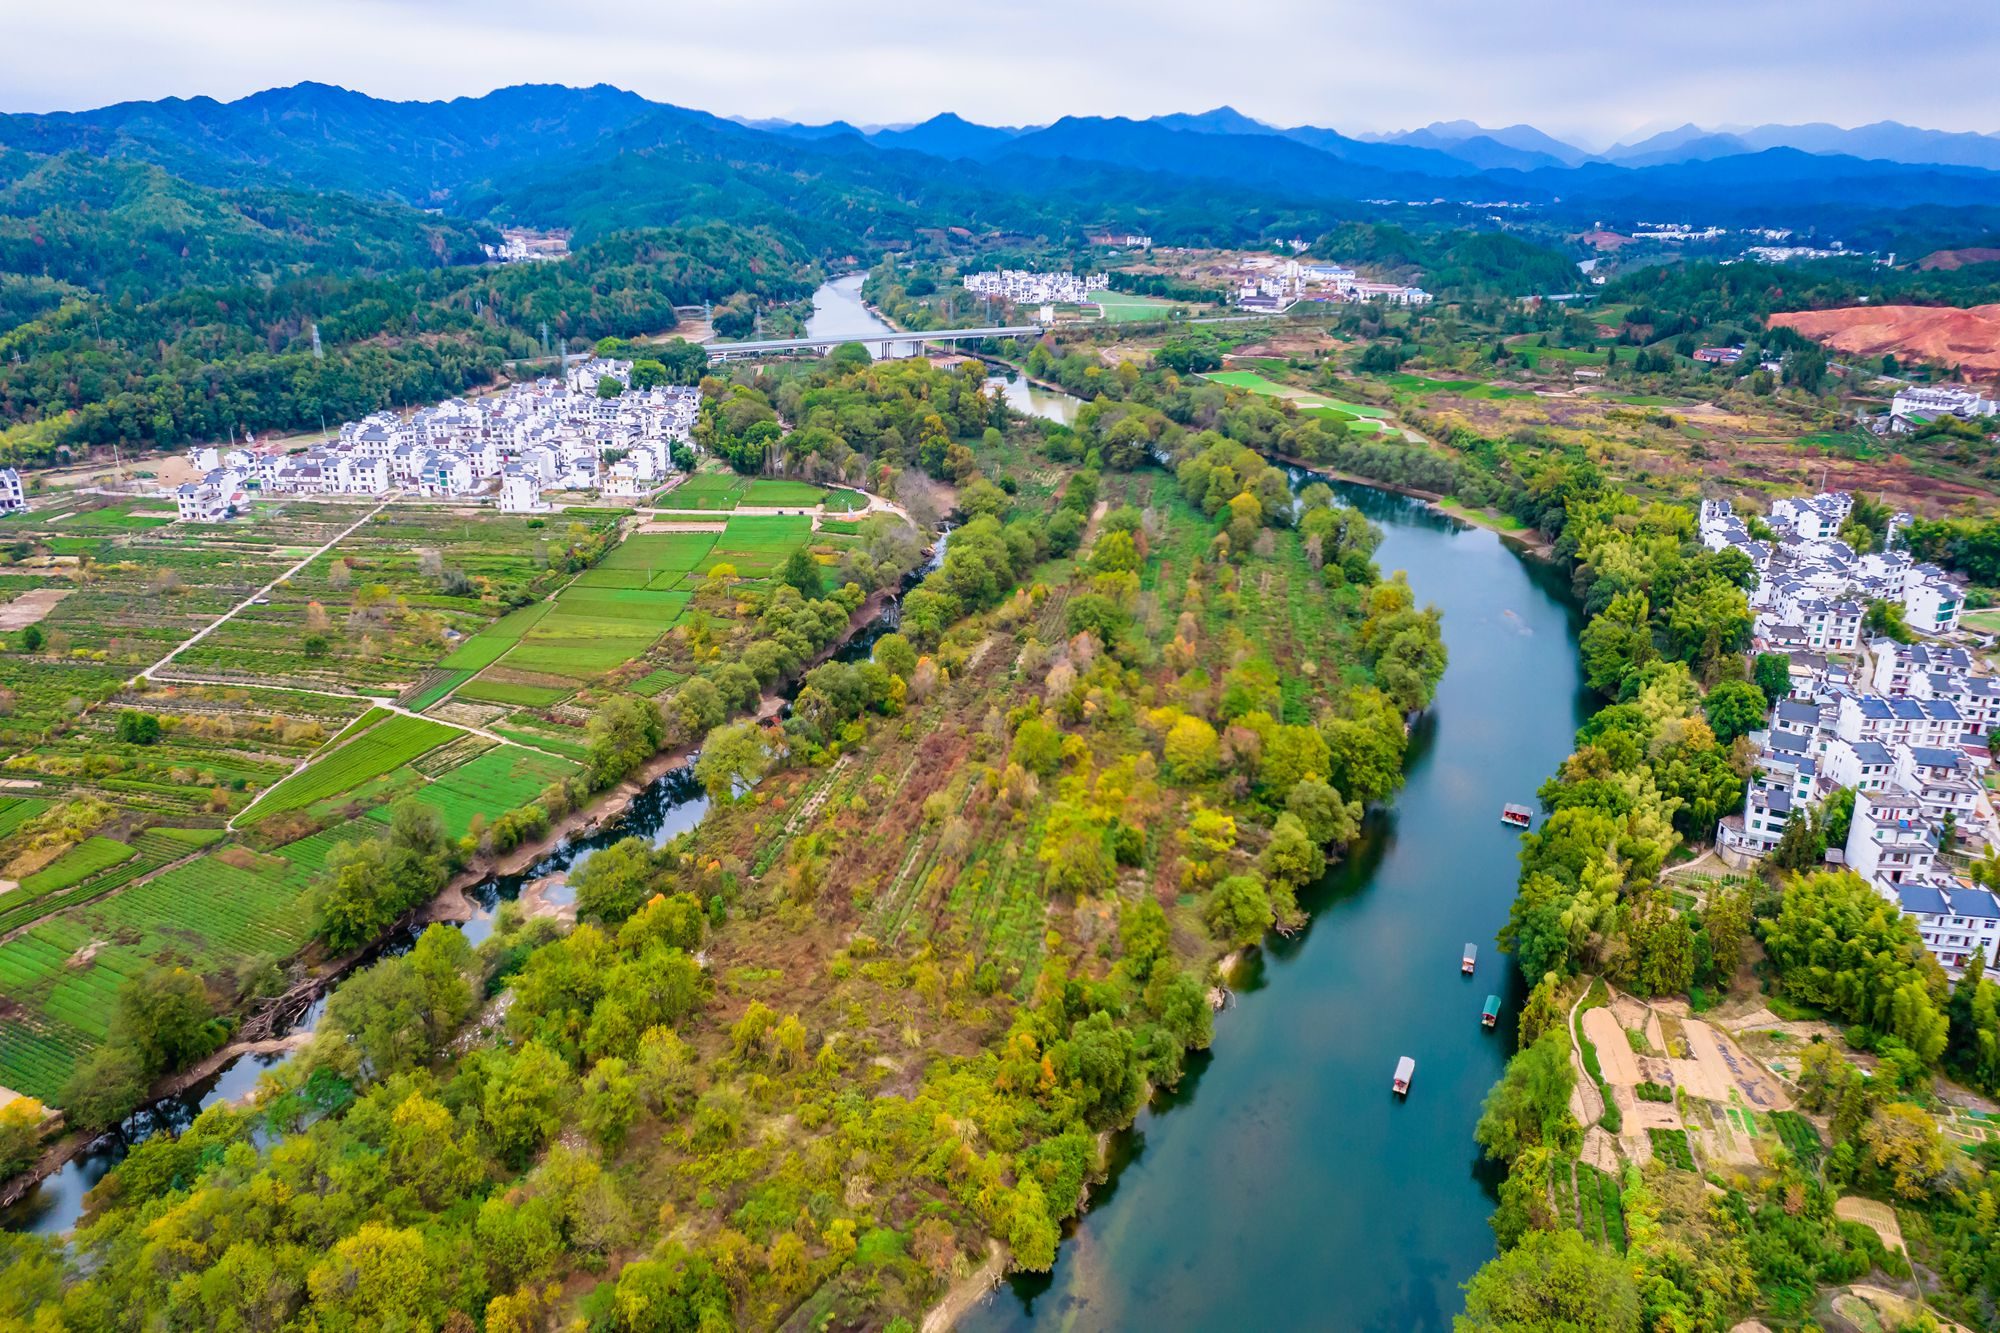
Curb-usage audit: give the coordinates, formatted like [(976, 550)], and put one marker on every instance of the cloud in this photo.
[(1597, 70)]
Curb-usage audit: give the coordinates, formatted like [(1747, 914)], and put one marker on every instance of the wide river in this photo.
[(1283, 1185)]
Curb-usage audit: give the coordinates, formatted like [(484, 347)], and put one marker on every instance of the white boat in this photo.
[(1470, 960), (1406, 1069)]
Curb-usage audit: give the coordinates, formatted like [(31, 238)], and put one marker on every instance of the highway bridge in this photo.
[(884, 344)]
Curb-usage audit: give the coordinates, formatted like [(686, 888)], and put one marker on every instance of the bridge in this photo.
[(883, 343)]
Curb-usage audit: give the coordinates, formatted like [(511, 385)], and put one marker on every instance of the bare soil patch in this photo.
[(1942, 335), (30, 607), (1614, 1053), (1947, 260)]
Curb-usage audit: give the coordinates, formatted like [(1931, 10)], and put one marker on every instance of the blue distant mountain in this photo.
[(948, 136), (502, 155)]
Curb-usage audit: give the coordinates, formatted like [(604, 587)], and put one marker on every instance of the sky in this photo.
[(1594, 71)]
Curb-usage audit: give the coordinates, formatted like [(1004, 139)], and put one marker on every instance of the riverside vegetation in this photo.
[(941, 928)]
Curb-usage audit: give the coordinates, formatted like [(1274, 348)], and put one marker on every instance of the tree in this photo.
[(732, 759), (20, 1134), (612, 884), (1773, 675), (164, 1015), (524, 1099), (32, 639), (1734, 708), (1529, 1106), (1903, 1140), (1617, 643), (379, 1277), (802, 571), (1553, 1280), (624, 733), (1239, 910), (1191, 750), (137, 728), (610, 1104), (105, 1088), (1885, 620), (895, 656), (1329, 820)]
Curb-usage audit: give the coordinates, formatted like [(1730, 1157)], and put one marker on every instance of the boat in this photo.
[(1406, 1069), (1516, 816), (1491, 1013), (1471, 958)]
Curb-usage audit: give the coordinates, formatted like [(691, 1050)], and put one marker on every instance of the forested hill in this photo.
[(127, 229), (205, 361)]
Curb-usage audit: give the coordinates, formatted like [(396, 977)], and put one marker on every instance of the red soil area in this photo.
[(1938, 335), (1951, 259)]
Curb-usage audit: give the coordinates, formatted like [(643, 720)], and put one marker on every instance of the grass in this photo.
[(708, 490), (1126, 307), (78, 863), (385, 746), (482, 690), (499, 780), (768, 494)]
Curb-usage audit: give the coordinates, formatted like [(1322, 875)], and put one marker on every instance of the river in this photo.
[(839, 311), (1283, 1185)]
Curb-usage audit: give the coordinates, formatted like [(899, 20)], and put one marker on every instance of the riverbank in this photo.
[(1529, 540)]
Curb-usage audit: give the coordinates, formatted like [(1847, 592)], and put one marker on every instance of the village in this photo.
[(587, 431), (1904, 726)]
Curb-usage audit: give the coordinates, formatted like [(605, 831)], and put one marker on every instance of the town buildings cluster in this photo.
[(1906, 727), (1918, 405), (1025, 288), (553, 434), (1276, 285)]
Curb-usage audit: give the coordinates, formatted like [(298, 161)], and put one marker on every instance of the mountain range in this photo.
[(600, 158)]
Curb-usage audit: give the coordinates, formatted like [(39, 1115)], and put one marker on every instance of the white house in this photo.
[(13, 496)]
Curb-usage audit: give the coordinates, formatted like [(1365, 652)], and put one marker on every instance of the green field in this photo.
[(723, 491), (78, 863), (1307, 400), (1126, 307), (495, 782), (481, 690), (769, 494), (758, 544), (386, 745), (707, 490)]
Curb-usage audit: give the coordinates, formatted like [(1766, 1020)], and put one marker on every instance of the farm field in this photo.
[(723, 491), (386, 745), (1127, 307), (1307, 399), (120, 842)]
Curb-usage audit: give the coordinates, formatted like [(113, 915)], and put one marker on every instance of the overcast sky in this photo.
[(1592, 70)]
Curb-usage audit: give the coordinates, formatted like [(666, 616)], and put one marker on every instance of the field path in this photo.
[(264, 591)]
